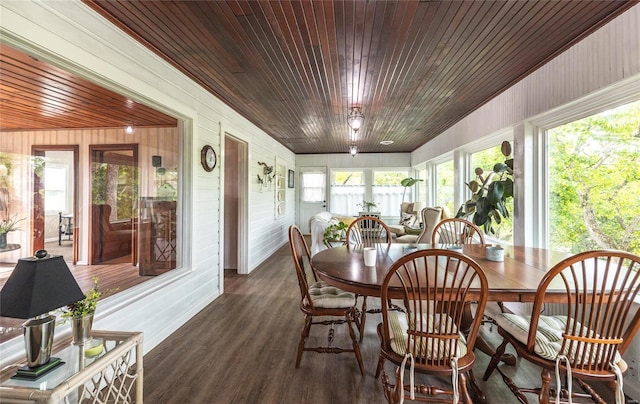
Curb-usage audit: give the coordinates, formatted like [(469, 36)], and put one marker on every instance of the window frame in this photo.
[(540, 133)]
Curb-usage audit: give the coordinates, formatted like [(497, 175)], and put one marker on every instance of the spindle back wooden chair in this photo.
[(367, 231), (318, 299), (434, 284), (601, 290), (457, 231)]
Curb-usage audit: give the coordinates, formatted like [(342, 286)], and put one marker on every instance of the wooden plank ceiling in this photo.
[(295, 68), (37, 95)]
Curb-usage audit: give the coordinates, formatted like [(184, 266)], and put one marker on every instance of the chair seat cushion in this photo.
[(326, 296), (407, 239), (412, 230), (399, 325), (398, 229), (549, 336)]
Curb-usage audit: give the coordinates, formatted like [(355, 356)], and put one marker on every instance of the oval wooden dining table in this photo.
[(515, 279)]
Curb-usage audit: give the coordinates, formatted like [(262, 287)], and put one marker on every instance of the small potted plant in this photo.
[(335, 233), (81, 313), (367, 206), (7, 225)]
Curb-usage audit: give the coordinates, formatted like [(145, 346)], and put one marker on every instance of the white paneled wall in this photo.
[(75, 38)]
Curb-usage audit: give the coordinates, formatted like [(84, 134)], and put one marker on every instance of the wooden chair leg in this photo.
[(476, 392), (303, 338), (354, 341), (543, 396), (465, 397), (363, 317), (495, 360), (380, 366), (595, 397)]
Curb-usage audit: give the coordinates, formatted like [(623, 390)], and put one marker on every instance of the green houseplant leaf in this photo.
[(408, 182), (489, 192)]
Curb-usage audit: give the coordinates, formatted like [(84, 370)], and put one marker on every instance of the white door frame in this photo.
[(243, 204)]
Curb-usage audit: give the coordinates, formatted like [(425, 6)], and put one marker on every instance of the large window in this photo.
[(387, 191), (347, 191), (131, 217), (594, 182), (445, 185), (486, 159)]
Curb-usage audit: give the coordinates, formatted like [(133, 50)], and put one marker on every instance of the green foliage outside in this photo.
[(445, 185), (348, 178), (388, 177), (594, 182), (125, 188)]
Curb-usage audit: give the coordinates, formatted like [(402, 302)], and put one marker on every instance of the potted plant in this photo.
[(489, 193), (7, 225), (334, 233), (408, 182), (81, 313), (367, 206)]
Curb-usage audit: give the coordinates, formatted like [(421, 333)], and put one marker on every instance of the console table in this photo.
[(114, 376), (10, 247)]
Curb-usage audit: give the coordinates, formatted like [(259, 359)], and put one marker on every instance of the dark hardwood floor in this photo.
[(242, 348)]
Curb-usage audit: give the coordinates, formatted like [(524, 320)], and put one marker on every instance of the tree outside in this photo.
[(117, 186), (445, 185), (594, 182)]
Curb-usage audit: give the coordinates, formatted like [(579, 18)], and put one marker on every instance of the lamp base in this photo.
[(25, 372), (38, 339)]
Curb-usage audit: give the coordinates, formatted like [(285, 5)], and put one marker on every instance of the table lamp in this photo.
[(37, 286)]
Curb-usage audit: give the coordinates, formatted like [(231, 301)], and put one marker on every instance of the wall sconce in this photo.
[(355, 119), (129, 129), (353, 150)]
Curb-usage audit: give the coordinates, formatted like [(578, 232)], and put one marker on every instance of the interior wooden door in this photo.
[(114, 203), (41, 155)]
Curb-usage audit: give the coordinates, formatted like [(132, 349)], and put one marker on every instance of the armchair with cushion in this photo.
[(430, 217), (409, 216)]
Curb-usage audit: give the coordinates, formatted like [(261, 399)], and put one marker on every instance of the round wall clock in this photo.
[(208, 158)]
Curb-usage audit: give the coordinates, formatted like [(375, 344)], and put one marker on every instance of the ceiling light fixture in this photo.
[(129, 129), (386, 142), (353, 150), (355, 119), (354, 136)]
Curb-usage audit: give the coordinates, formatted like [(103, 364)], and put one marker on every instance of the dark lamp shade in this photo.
[(37, 286)]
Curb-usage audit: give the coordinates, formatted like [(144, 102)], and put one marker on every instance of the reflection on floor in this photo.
[(116, 274)]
